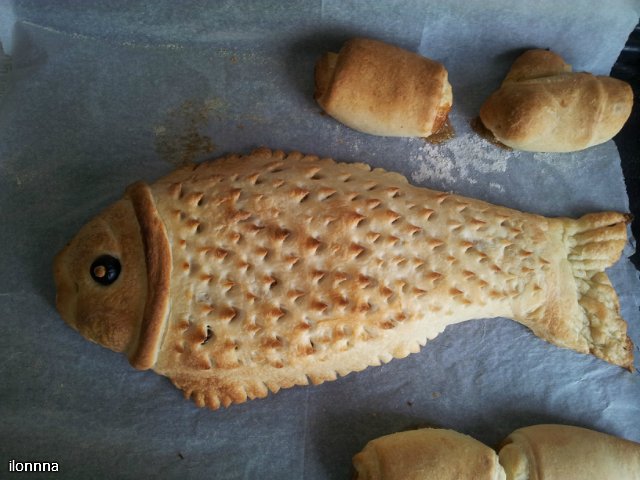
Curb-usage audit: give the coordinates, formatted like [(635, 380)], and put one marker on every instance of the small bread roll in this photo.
[(542, 106), (381, 89), (568, 453), (428, 453)]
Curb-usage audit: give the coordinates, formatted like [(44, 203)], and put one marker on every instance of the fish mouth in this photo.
[(157, 252)]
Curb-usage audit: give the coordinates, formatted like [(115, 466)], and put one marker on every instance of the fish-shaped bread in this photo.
[(248, 274)]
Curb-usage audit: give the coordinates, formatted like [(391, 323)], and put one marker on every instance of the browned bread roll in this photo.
[(426, 454), (562, 452), (539, 452), (382, 89), (543, 106), (249, 274)]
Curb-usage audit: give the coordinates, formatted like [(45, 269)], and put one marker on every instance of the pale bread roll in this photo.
[(382, 89), (562, 452), (539, 452), (428, 453), (542, 106)]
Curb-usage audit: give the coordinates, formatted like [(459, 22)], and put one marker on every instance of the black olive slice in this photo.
[(105, 269)]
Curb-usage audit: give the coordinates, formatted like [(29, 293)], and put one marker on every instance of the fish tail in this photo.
[(595, 242)]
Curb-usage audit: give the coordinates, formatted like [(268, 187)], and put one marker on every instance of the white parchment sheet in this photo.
[(97, 95)]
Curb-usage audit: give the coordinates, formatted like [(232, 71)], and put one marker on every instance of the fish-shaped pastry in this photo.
[(248, 274)]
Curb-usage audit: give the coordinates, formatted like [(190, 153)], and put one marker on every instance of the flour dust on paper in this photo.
[(465, 158)]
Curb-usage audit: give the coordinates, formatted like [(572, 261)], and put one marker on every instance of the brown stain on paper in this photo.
[(443, 135), (179, 140), (478, 127)]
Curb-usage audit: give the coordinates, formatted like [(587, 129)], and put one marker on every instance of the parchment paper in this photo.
[(97, 95)]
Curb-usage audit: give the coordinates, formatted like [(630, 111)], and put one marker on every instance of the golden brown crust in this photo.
[(323, 74), (109, 315), (582, 310), (288, 269), (542, 106), (537, 452), (382, 89), (157, 253), (428, 453), (536, 63), (568, 453)]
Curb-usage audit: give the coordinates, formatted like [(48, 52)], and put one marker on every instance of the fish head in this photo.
[(101, 279)]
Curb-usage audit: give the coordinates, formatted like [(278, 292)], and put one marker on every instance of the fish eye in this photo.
[(105, 269)]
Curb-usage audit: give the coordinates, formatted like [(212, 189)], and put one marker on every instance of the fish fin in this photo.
[(595, 241), (215, 391)]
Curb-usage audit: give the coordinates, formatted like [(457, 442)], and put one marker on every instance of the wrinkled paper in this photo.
[(97, 95)]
